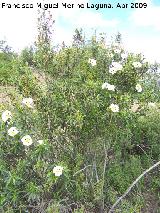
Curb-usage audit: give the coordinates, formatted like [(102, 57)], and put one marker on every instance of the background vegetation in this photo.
[(102, 152)]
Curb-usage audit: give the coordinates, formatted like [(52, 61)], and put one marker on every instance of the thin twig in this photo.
[(95, 168), (143, 150), (132, 185), (104, 171), (81, 170)]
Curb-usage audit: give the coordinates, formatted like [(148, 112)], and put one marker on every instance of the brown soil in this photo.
[(152, 204)]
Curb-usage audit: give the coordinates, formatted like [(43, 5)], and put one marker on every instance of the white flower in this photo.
[(40, 142), (117, 51), (152, 105), (92, 61), (137, 64), (57, 170), (6, 115), (111, 87), (134, 107), (104, 85), (138, 88), (114, 108), (108, 86), (27, 140), (112, 70), (124, 55), (13, 131), (115, 66), (28, 102)]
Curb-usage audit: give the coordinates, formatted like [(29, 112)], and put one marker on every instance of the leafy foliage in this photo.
[(101, 151)]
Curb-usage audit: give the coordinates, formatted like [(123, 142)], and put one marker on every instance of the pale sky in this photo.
[(140, 28)]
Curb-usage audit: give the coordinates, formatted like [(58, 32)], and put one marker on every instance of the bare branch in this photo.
[(81, 170), (132, 185), (104, 171)]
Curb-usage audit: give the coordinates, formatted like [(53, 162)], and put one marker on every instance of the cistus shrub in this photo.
[(78, 130)]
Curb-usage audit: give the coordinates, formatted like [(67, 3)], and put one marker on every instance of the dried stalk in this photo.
[(132, 185), (104, 171), (81, 170)]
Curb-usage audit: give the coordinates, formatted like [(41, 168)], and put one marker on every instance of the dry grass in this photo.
[(4, 94)]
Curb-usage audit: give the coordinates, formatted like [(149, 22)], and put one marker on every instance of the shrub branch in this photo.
[(132, 185), (81, 170)]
